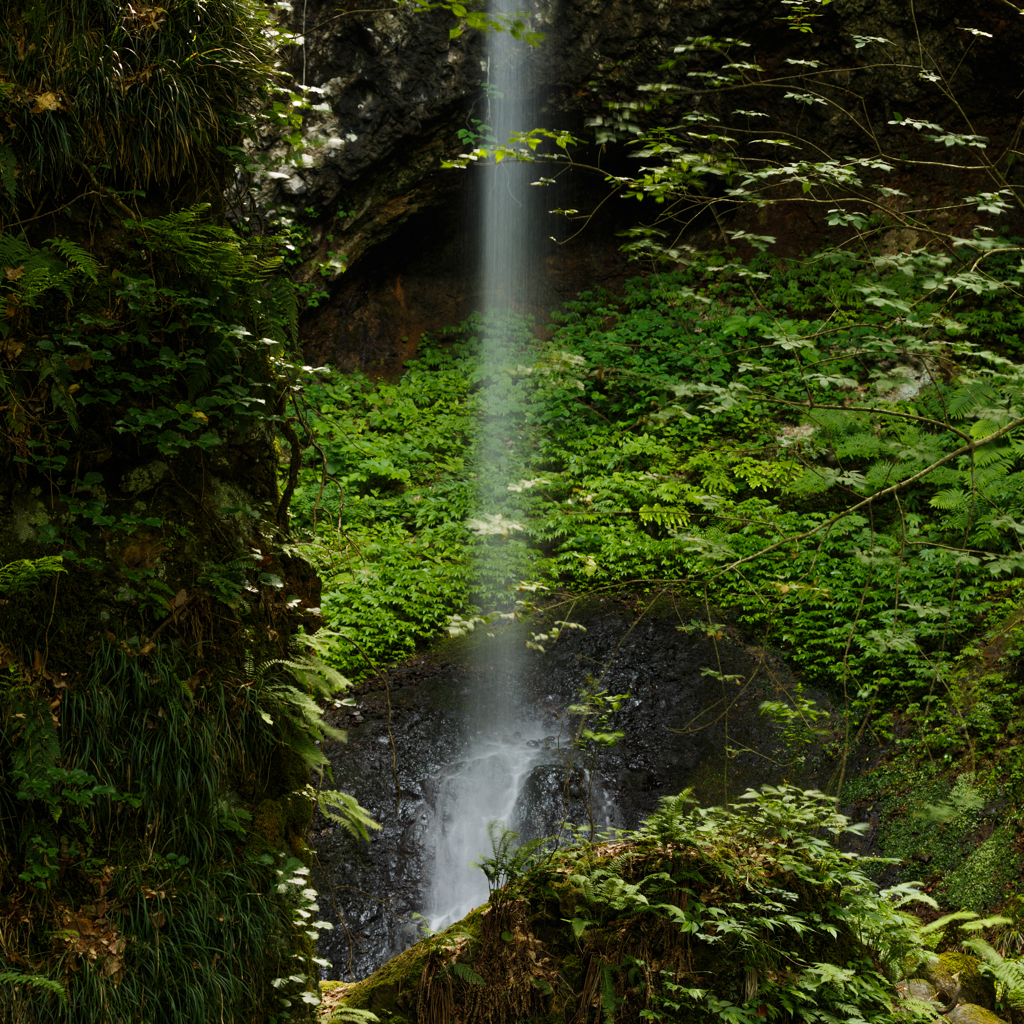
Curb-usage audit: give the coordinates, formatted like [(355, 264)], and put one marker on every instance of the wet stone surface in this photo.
[(682, 728)]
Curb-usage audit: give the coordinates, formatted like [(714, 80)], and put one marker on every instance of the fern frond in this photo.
[(39, 278), (968, 397), (951, 498), (345, 810), (77, 256), (34, 981), (205, 248), (14, 251), (463, 972), (283, 299), (27, 573)]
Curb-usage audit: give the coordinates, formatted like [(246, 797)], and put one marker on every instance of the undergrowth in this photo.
[(709, 430), (143, 867), (740, 913)]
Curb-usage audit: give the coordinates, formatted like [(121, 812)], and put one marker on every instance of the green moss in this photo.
[(952, 969), (390, 992), (978, 883)]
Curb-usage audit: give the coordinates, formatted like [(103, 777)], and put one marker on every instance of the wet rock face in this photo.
[(396, 91), (438, 706)]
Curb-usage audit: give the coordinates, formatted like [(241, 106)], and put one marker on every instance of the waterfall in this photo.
[(508, 199), (505, 745)]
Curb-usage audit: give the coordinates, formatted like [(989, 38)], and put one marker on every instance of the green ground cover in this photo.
[(716, 430)]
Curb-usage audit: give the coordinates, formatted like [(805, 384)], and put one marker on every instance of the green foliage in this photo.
[(295, 711), (728, 914), (343, 809), (979, 879), (146, 95), (801, 898), (799, 719), (711, 429), (15, 978), (509, 860), (27, 573), (296, 715), (136, 799), (297, 989)]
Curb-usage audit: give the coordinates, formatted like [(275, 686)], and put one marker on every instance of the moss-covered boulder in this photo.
[(748, 910), (959, 975), (971, 1013), (919, 989)]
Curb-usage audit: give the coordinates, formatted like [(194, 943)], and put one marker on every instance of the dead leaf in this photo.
[(45, 101), (14, 273)]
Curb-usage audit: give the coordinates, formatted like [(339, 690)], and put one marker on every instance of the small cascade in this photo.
[(483, 788)]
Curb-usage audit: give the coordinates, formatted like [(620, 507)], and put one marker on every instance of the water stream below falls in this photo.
[(456, 773)]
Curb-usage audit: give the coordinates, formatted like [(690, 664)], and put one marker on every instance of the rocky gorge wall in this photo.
[(396, 91)]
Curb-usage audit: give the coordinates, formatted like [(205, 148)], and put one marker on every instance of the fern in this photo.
[(951, 498), (352, 1015), (295, 711), (40, 277), (350, 814), (964, 399), (34, 981), (14, 251), (462, 971), (82, 260), (507, 861), (26, 574), (608, 1000), (206, 249), (281, 297)]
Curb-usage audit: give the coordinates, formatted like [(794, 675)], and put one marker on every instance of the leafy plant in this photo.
[(509, 860), (27, 573)]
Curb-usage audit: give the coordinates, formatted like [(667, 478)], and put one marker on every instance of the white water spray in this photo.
[(505, 747)]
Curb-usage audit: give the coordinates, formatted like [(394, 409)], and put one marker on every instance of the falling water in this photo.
[(505, 744), (508, 207)]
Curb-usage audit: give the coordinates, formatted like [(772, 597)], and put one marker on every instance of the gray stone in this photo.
[(971, 1013), (144, 478)]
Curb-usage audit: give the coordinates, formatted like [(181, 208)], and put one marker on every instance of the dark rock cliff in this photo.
[(396, 90)]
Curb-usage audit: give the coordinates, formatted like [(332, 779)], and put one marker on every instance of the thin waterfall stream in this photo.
[(506, 744)]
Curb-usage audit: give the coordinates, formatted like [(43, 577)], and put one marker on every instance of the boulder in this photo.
[(950, 969), (917, 988), (971, 1013)]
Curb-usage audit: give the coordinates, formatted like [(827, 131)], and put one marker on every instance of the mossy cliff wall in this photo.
[(150, 788)]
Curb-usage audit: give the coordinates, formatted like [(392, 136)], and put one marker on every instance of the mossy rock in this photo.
[(971, 1013), (575, 936), (948, 969), (978, 883), (391, 991), (919, 989)]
